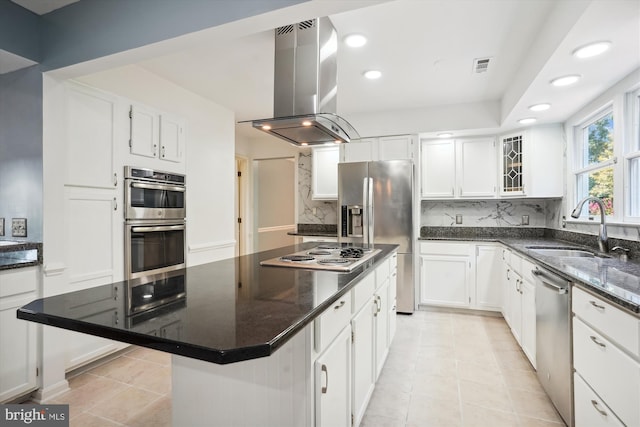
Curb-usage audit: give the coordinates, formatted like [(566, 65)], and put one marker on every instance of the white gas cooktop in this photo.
[(325, 257)]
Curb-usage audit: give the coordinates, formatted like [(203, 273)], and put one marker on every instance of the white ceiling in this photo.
[(425, 49)]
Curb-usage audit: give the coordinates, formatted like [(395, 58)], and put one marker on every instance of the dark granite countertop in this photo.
[(312, 233), (14, 254), (608, 276), (234, 309)]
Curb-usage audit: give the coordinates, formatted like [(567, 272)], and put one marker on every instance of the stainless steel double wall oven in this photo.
[(155, 231)]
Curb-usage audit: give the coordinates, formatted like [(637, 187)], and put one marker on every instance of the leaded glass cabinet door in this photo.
[(512, 171)]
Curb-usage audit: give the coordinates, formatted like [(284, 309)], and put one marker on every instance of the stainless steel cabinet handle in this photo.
[(595, 340), (339, 305), (326, 372), (115, 179), (600, 411), (115, 204), (596, 305), (508, 271), (157, 228), (376, 310)]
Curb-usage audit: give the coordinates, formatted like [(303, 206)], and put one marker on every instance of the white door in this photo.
[(333, 383), (144, 131), (274, 209), (362, 150), (382, 326), (489, 268), (528, 294), (324, 173), (395, 147), (444, 280)]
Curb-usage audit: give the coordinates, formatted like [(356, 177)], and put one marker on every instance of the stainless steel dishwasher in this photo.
[(554, 355)]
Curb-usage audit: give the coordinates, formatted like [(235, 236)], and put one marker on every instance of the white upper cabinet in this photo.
[(464, 168), (324, 172), (90, 137), (144, 131), (171, 138), (155, 134), (438, 169), (531, 162), (477, 166), (400, 147)]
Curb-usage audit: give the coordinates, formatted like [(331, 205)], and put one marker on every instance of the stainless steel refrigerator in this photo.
[(375, 205)]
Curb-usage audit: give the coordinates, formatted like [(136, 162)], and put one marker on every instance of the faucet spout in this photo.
[(603, 241)]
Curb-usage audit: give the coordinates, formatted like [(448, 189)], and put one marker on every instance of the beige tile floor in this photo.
[(443, 369)]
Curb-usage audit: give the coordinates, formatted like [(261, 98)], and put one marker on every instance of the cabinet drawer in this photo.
[(612, 374), (332, 321), (619, 326), (445, 248), (382, 273), (362, 292), (590, 410), (19, 281)]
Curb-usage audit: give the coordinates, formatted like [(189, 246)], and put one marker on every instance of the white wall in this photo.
[(210, 149)]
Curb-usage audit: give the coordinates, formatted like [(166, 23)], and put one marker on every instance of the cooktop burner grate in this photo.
[(328, 247), (297, 258), (317, 252)]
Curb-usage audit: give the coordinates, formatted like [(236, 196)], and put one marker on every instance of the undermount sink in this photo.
[(562, 252)]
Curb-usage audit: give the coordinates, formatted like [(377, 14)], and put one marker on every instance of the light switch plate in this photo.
[(458, 219), (525, 219), (19, 227), (1, 226)]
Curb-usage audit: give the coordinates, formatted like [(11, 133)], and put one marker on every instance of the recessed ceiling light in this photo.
[(373, 74), (527, 120), (355, 40), (445, 135), (565, 80), (592, 49), (540, 107)]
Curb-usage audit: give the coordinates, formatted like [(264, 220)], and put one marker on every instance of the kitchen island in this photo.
[(252, 344)]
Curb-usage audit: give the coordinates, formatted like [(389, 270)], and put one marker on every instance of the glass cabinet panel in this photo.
[(512, 172)]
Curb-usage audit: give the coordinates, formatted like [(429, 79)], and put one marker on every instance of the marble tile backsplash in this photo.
[(312, 211), (484, 213)]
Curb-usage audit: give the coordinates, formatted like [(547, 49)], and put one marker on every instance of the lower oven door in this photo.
[(154, 247)]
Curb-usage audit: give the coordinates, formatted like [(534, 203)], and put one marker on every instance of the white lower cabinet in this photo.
[(333, 383), (363, 329), (590, 410), (461, 275), (607, 361), (381, 326), (18, 344)]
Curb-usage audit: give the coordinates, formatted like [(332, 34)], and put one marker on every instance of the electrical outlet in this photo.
[(525, 219), (458, 219)]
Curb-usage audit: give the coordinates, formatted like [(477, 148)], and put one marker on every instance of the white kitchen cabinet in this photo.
[(86, 209), (437, 169), (155, 134), (398, 147), (605, 336), (91, 136), (393, 302), (363, 329), (488, 289), (445, 274), (589, 409), (463, 168), (381, 326), (521, 304), (324, 172), (531, 162), (18, 344), (171, 138), (333, 383)]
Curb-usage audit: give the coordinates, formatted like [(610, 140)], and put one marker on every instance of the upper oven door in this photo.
[(149, 200), (154, 248)]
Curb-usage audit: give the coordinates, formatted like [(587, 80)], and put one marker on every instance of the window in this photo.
[(632, 156), (595, 163)]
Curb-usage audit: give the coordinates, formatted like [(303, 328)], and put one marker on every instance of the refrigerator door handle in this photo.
[(365, 209)]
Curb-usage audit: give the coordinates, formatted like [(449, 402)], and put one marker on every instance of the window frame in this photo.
[(631, 153)]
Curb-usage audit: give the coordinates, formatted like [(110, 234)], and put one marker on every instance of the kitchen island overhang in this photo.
[(234, 309)]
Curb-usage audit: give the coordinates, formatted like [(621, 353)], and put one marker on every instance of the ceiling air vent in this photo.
[(284, 30), (480, 65)]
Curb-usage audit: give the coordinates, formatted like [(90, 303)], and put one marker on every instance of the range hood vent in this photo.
[(305, 88)]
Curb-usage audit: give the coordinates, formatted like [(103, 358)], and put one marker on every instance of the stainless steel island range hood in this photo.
[(305, 89)]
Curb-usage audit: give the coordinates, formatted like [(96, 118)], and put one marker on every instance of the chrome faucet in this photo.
[(603, 242)]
